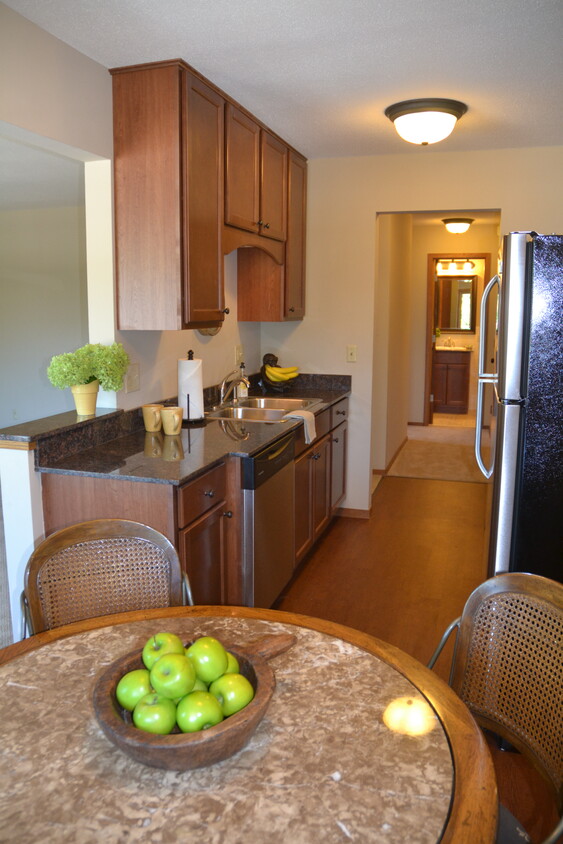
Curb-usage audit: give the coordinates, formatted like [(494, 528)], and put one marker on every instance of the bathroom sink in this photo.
[(248, 414), (286, 405), (452, 349)]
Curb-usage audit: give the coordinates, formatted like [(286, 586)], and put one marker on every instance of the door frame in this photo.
[(430, 272)]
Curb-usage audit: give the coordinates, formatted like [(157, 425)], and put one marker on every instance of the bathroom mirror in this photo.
[(454, 303)]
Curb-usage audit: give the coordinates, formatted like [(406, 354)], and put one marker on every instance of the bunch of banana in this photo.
[(280, 374)]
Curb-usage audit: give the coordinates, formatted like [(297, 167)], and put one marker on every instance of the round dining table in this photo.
[(334, 759)]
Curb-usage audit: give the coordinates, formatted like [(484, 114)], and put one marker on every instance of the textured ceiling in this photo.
[(321, 72)]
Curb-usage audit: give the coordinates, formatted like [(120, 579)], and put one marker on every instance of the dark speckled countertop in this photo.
[(115, 444)]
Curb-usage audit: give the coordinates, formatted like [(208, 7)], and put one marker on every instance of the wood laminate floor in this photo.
[(402, 576)]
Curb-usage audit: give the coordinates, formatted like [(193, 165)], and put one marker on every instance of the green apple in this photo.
[(233, 691), (232, 664), (198, 711), (132, 687), (155, 714), (199, 686), (173, 675), (209, 658), (160, 644)]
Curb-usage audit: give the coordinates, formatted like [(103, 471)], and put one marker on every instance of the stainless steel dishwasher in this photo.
[(268, 533)]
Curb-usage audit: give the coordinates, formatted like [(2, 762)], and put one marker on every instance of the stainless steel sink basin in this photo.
[(260, 409), (278, 403), (248, 414)]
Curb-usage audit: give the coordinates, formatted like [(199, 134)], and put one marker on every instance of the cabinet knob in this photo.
[(266, 225), (210, 493), (226, 310), (259, 223), (228, 514), (291, 310), (341, 413), (316, 456), (335, 439)]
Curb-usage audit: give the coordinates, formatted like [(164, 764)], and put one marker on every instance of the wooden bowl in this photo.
[(183, 751)]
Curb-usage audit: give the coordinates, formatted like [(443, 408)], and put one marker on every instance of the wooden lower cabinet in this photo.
[(202, 518), (450, 381), (320, 477)]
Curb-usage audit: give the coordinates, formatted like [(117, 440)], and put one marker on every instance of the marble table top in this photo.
[(321, 767)]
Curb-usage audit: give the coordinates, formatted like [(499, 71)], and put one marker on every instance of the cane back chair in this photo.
[(507, 667), (99, 568)]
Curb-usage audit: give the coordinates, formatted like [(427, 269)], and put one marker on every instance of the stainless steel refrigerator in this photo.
[(519, 404)]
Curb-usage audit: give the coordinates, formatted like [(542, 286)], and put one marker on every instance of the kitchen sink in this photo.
[(286, 405), (248, 414), (259, 409)]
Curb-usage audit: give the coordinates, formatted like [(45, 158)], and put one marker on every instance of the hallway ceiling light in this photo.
[(425, 121), (457, 225)]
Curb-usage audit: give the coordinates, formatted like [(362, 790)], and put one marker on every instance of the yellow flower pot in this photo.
[(85, 396)]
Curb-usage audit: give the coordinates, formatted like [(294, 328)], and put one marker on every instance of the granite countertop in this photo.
[(114, 443), (322, 765)]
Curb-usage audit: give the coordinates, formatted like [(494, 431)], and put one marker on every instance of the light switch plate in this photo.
[(133, 378), (351, 354), (239, 355)]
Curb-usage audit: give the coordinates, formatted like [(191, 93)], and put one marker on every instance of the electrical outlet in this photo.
[(133, 378), (239, 355), (351, 354)]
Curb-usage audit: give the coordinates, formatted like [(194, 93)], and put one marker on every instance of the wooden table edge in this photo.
[(474, 807)]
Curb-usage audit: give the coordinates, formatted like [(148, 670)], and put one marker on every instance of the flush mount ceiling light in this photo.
[(425, 121), (457, 225)]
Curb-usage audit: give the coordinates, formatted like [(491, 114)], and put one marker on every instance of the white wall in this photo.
[(43, 294)]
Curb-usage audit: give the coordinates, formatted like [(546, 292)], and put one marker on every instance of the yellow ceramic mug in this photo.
[(151, 417), (173, 448), (171, 420)]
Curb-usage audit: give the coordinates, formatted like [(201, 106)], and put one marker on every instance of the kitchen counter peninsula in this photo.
[(114, 443)]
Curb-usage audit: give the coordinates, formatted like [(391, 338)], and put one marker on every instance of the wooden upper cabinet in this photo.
[(255, 177), (168, 172)]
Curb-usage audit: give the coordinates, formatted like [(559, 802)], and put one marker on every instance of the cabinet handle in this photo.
[(341, 413), (210, 493), (228, 514), (226, 310)]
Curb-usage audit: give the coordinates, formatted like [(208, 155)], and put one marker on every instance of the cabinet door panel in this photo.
[(202, 552), (294, 294), (321, 486), (338, 465), (457, 385), (203, 198), (303, 505), (273, 183), (242, 171)]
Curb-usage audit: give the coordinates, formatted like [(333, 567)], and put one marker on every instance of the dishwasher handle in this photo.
[(257, 469)]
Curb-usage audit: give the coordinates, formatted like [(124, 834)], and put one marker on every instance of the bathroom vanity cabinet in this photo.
[(450, 381)]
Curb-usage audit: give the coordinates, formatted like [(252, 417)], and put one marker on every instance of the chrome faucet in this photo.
[(227, 386)]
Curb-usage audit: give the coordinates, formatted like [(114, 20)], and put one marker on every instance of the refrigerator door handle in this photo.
[(483, 378), (483, 335), (487, 471)]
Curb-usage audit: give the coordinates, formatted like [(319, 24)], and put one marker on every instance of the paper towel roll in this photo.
[(190, 388)]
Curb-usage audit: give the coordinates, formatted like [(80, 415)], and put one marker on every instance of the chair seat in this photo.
[(510, 830)]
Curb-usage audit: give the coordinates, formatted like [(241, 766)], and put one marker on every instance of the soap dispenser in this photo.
[(242, 389)]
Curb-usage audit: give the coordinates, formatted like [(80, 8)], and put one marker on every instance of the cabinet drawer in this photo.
[(339, 413), (322, 427), (196, 497)]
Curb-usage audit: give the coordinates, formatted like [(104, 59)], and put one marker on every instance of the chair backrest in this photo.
[(97, 568), (508, 666)]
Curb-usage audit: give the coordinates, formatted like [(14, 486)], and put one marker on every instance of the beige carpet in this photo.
[(440, 453)]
